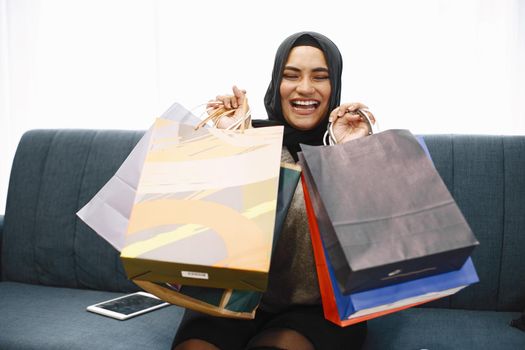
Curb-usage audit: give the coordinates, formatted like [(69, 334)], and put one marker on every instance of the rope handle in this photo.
[(241, 123)]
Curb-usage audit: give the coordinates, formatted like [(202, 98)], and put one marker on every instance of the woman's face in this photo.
[(305, 88)]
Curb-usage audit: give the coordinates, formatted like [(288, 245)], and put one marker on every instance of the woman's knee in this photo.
[(195, 344), (280, 338)]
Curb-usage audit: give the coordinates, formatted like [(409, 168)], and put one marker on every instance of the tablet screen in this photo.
[(130, 304)]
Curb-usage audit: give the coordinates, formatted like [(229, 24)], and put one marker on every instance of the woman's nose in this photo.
[(305, 87)]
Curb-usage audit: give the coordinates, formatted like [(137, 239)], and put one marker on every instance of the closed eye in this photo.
[(290, 76)]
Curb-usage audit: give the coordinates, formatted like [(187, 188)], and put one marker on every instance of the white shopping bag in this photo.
[(107, 213)]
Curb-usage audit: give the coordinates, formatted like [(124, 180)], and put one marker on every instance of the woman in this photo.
[(303, 95)]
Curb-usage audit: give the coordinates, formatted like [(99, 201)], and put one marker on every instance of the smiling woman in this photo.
[(305, 88), (303, 95)]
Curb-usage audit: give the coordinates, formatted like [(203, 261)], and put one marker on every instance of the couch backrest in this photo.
[(486, 176), (54, 173)]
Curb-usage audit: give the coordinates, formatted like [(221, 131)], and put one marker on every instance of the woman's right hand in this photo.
[(227, 101), (237, 102)]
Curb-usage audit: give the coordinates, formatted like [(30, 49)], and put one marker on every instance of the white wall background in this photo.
[(435, 66)]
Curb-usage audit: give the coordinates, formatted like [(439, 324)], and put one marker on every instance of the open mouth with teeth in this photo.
[(305, 105)]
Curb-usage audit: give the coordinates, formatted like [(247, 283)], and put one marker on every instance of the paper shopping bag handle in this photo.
[(173, 297), (240, 124)]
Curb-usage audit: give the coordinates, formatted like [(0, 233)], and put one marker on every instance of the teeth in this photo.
[(305, 103)]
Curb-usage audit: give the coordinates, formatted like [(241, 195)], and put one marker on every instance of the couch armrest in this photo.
[(1, 239)]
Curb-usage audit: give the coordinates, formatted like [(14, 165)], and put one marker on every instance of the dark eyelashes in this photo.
[(292, 76)]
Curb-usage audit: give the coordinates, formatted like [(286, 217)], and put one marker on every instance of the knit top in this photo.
[(292, 278)]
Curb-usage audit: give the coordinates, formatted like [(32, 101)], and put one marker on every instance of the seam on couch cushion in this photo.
[(512, 284), (453, 189), (480, 180), (81, 182), (37, 207), (21, 212), (118, 263), (498, 301)]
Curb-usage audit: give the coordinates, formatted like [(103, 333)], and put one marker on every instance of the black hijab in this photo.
[(272, 99)]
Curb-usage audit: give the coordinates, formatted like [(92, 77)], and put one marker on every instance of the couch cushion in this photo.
[(54, 173), (484, 173), (39, 317), (440, 329)]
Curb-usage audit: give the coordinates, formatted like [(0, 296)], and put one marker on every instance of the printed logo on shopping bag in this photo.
[(398, 273), (195, 274), (393, 273)]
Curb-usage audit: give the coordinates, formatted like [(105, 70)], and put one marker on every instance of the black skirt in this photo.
[(232, 334)]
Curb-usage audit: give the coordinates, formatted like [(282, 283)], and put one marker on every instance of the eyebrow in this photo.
[(318, 69)]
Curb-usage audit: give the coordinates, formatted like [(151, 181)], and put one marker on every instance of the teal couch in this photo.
[(53, 265)]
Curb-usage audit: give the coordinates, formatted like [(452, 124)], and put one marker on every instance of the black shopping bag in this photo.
[(383, 211)]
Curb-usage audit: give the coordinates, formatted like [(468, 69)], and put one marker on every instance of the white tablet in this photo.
[(128, 306)]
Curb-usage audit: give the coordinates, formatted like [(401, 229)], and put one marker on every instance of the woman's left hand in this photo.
[(348, 124)]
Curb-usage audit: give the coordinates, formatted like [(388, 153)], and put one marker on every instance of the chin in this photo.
[(305, 124), (303, 127)]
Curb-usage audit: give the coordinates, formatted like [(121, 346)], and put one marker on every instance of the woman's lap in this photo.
[(309, 321)]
